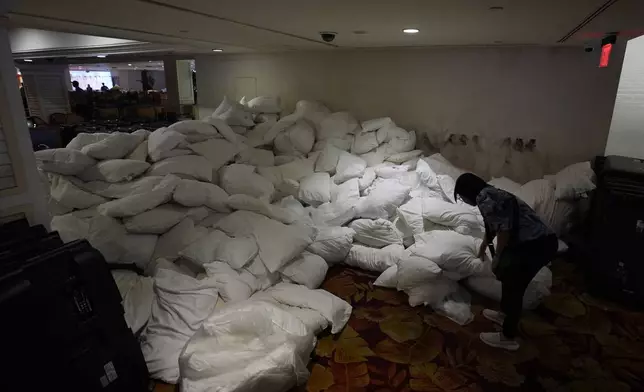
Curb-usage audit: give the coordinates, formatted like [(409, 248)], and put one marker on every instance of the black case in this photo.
[(62, 326), (617, 230)]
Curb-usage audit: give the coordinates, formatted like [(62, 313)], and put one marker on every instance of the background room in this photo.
[(323, 196)]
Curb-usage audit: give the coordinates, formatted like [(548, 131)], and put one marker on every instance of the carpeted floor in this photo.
[(572, 342)]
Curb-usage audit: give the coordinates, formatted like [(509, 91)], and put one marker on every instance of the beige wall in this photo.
[(556, 95)]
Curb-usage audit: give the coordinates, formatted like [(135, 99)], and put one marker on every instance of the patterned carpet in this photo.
[(572, 342)]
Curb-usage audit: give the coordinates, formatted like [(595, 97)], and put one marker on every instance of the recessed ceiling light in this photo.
[(411, 31), (183, 31), (101, 56), (217, 50), (129, 65), (149, 61), (28, 60), (359, 32), (496, 8)]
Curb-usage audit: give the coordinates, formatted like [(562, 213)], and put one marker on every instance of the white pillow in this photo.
[(194, 127), (117, 145), (315, 189), (414, 271), (332, 243), (334, 214), (388, 278), (218, 151), (265, 104), (328, 159), (451, 251), (256, 157), (307, 269), (178, 238), (382, 200), (66, 193), (372, 259), (574, 181), (160, 219), (190, 166), (377, 233), (236, 115), (376, 124), (367, 179), (249, 203), (203, 250), (114, 170), (105, 234), (120, 190), (193, 193), (140, 153), (139, 249), (337, 125), (347, 191), (230, 285), (242, 179), (365, 142), (65, 161), (83, 139), (349, 166), (237, 251), (140, 202), (297, 139), (163, 140), (404, 156)]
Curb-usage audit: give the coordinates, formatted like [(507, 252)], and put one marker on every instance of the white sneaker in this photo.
[(494, 316), (496, 339)]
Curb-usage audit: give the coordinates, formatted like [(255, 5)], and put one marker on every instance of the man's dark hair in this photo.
[(468, 186)]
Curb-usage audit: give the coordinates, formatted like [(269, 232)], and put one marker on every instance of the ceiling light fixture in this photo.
[(129, 65), (28, 60), (496, 8), (411, 31), (217, 50), (101, 56)]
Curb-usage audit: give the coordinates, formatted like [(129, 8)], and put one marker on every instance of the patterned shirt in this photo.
[(499, 210)]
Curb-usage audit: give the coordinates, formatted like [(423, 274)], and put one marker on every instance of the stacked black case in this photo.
[(616, 232), (62, 325)]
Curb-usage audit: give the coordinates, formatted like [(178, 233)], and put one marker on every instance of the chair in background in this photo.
[(57, 118), (146, 113)]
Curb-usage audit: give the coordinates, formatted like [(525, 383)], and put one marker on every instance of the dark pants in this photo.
[(522, 262)]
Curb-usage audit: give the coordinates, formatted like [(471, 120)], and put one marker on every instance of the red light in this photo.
[(605, 56)]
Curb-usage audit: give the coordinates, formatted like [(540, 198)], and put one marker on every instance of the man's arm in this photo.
[(503, 237)]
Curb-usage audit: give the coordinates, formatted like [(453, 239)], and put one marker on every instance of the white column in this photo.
[(27, 196), (178, 78), (172, 104)]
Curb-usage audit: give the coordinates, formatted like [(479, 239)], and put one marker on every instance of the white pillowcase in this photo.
[(114, 170), (192, 193), (574, 181), (307, 269), (186, 166), (377, 233), (349, 166), (217, 151), (65, 161), (315, 189)]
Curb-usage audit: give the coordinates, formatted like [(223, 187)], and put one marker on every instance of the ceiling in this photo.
[(281, 25)]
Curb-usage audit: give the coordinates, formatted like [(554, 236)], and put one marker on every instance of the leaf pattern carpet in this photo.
[(572, 342)]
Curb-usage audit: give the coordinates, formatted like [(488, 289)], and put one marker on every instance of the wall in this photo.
[(626, 135), (131, 79), (554, 94)]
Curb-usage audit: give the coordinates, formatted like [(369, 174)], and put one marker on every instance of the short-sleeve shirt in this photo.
[(499, 210)]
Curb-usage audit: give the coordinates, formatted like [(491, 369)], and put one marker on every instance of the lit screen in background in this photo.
[(93, 78)]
